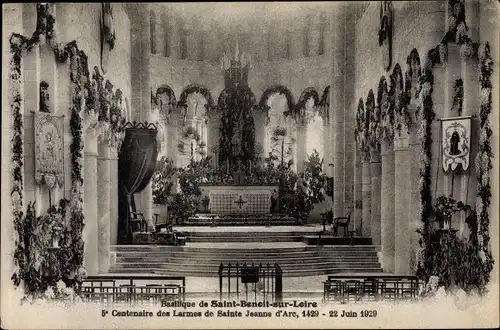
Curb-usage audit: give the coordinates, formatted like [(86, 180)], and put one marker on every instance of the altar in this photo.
[(238, 199)]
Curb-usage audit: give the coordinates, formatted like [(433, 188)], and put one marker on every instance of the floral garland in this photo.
[(401, 100), (458, 96), (372, 117)]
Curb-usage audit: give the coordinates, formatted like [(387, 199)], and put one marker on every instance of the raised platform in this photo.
[(207, 247), (198, 259), (335, 240), (209, 219)]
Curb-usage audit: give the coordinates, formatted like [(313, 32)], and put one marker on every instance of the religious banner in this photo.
[(456, 133), (107, 35), (49, 157)]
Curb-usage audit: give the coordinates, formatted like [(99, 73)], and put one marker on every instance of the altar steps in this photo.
[(193, 261), (239, 220)]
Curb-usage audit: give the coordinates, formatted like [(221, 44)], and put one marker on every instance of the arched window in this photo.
[(183, 42), (152, 29), (305, 35), (280, 134), (314, 130), (322, 27), (166, 29), (193, 140)]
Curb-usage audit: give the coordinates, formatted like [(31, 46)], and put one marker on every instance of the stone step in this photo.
[(298, 273), (247, 233), (225, 239), (246, 259), (166, 248), (285, 266)]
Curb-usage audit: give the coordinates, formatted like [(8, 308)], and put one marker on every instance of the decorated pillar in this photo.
[(91, 199), (387, 207), (402, 214), (375, 169), (366, 192), (103, 207)]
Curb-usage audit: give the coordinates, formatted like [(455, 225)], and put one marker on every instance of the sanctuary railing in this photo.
[(262, 281), (133, 289), (365, 288)]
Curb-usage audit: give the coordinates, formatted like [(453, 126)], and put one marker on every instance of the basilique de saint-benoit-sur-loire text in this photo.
[(245, 309)]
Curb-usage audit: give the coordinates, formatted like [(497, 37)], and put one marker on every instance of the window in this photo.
[(152, 29)]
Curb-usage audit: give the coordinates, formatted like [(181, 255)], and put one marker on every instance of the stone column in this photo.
[(338, 110), (402, 220), (91, 197), (358, 194), (375, 168), (366, 192), (141, 89), (113, 195), (387, 207), (103, 207)]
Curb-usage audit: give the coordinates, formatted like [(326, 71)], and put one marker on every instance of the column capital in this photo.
[(401, 142)]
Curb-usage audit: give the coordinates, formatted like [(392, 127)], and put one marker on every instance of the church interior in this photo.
[(341, 148)]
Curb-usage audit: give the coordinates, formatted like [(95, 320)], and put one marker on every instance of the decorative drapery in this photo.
[(137, 161)]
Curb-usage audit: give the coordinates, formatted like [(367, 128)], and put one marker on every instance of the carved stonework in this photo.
[(385, 32), (49, 158), (456, 143)]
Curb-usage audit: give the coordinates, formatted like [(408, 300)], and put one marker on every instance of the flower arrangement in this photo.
[(161, 181)]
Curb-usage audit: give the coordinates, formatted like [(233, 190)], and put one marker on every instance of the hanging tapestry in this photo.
[(49, 157), (456, 143)]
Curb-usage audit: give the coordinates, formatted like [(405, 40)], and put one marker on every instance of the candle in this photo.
[(227, 167), (250, 166)]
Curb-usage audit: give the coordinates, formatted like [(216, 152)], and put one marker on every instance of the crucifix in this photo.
[(240, 202)]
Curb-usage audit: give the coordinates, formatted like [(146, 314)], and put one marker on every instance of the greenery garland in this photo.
[(82, 91), (279, 89), (306, 95), (361, 132), (196, 89)]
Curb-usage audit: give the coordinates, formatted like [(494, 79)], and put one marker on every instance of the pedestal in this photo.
[(375, 167), (387, 207), (103, 210)]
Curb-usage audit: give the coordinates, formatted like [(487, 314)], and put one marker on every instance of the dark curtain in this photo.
[(136, 165)]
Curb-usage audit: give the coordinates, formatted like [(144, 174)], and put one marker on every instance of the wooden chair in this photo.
[(138, 222), (342, 222)]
